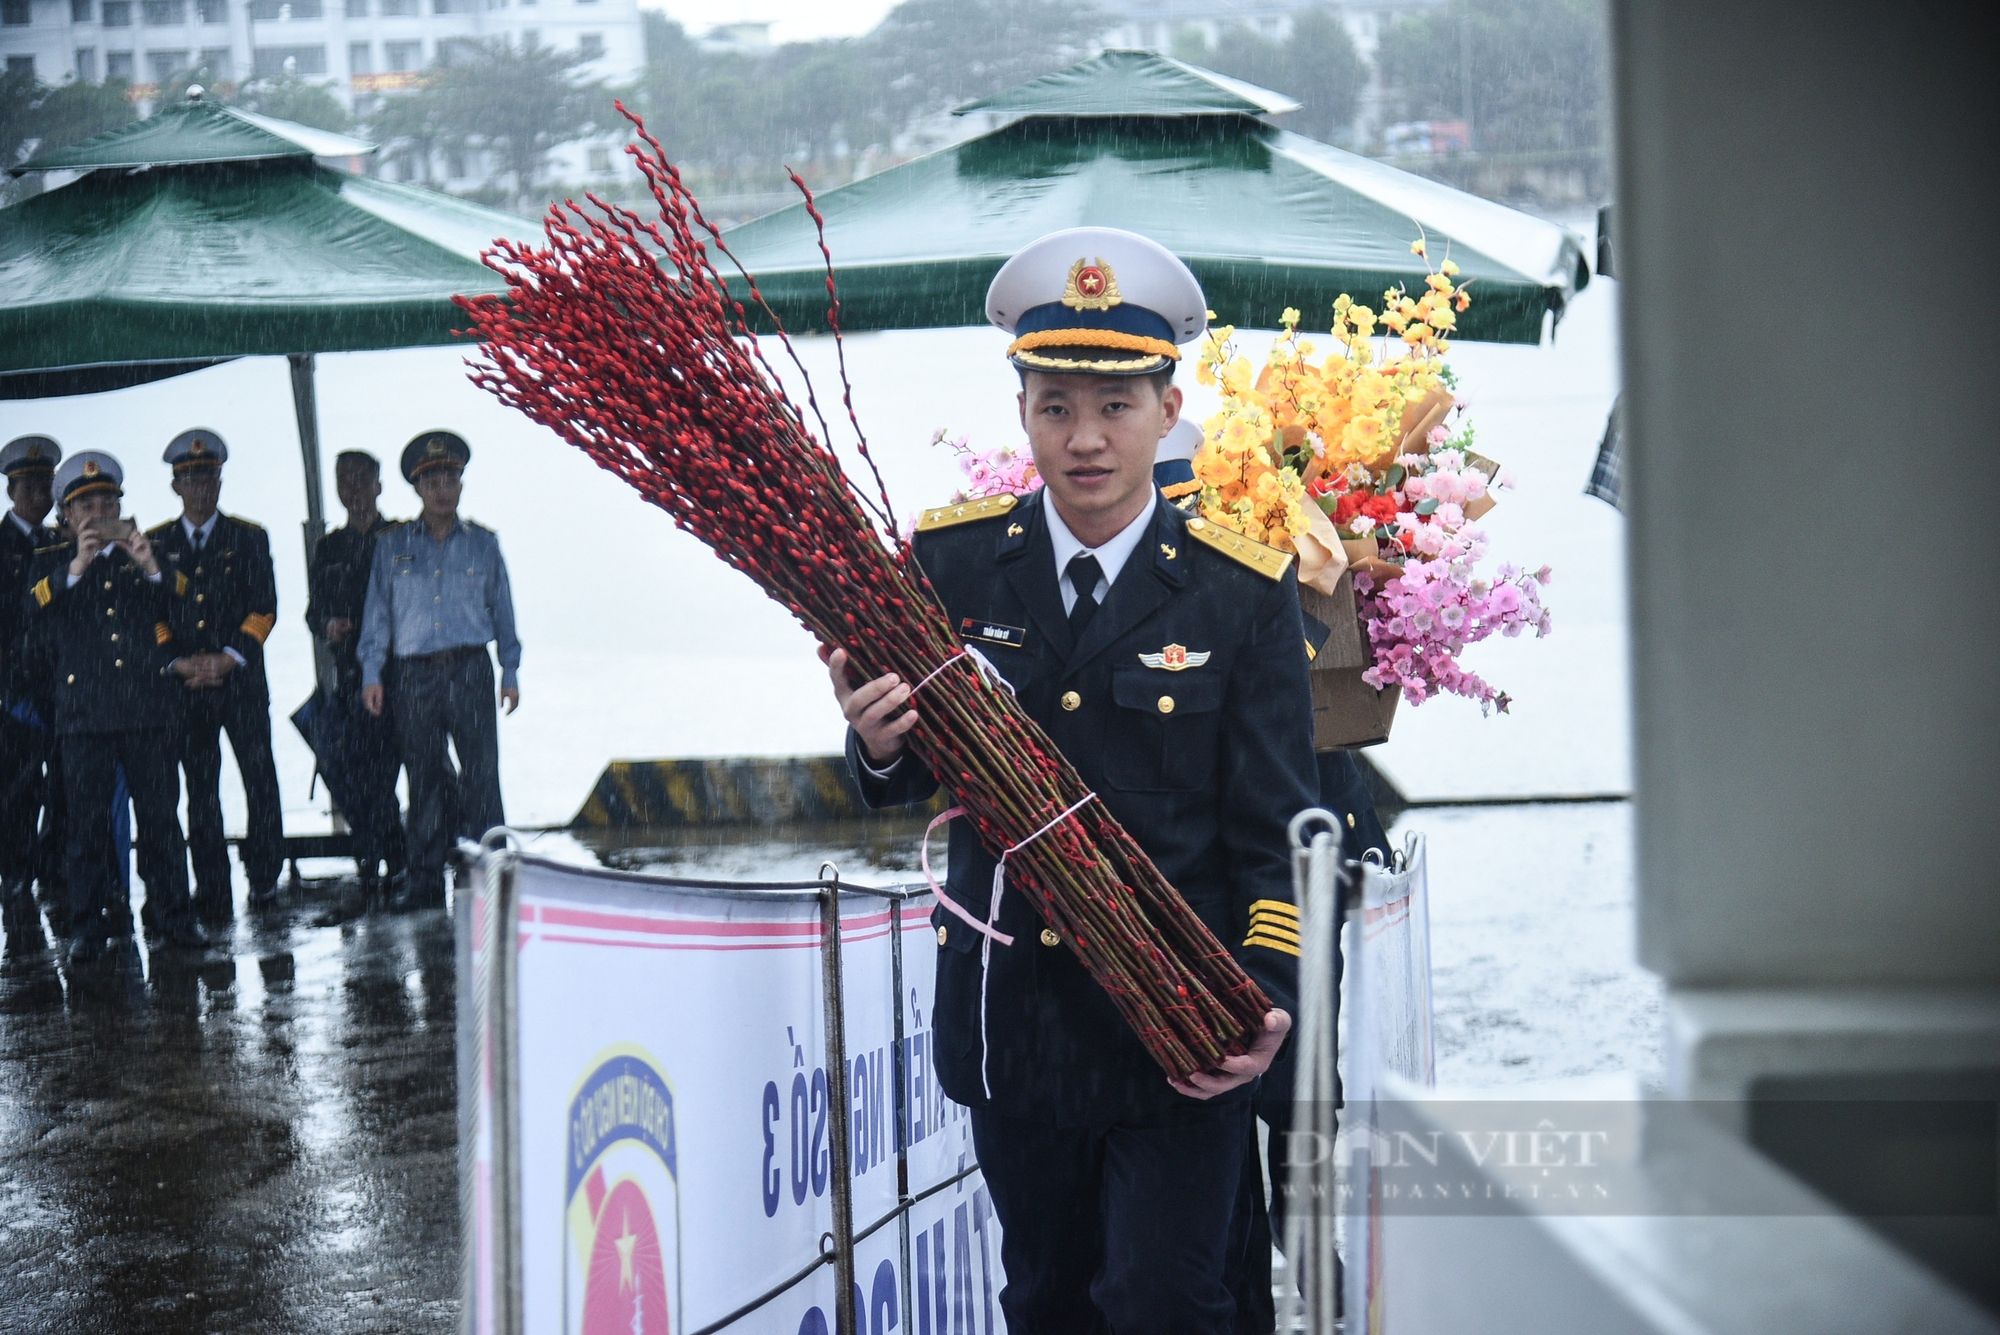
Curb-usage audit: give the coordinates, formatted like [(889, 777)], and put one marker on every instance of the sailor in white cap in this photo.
[(221, 564), (1167, 660), (105, 605), (29, 463)]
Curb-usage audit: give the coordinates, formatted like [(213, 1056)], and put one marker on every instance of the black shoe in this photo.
[(183, 935), (418, 893), (263, 896)]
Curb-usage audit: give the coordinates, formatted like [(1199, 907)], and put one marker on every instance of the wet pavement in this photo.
[(258, 1138)]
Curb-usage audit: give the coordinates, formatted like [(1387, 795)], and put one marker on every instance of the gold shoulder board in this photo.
[(247, 523), (986, 507), (157, 529), (1266, 561)]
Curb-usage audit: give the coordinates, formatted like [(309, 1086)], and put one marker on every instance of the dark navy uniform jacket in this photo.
[(1203, 766), (224, 597), (18, 678), (110, 641), (338, 587)]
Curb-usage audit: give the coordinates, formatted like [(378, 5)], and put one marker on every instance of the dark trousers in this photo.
[(371, 756), (90, 773), (1344, 791), (1115, 1230), (439, 699), (22, 749), (244, 711)]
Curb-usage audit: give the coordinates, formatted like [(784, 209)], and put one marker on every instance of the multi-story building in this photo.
[(356, 49)]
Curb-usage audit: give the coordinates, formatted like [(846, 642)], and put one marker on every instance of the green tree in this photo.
[(518, 103), (1536, 72), (935, 53), (1316, 66), (410, 129), (73, 112), (290, 98), (35, 118)]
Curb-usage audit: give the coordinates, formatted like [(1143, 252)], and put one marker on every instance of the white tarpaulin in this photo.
[(650, 1111)]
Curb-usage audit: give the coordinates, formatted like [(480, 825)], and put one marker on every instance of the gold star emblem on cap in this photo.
[(434, 449), (1091, 287), (199, 446), (35, 450), (90, 468)]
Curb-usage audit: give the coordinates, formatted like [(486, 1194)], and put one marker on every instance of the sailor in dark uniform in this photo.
[(1344, 792), (26, 740), (225, 606), (1165, 656), (365, 742), (106, 608)]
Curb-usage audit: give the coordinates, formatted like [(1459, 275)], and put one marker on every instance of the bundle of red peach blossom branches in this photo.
[(622, 337)]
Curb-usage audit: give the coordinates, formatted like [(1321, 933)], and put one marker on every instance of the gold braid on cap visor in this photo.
[(86, 488), (1093, 338)]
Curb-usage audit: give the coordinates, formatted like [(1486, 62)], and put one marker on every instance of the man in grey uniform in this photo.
[(437, 596)]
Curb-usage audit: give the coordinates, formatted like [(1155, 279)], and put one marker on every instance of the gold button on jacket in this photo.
[(1071, 700), (941, 936), (1049, 937), (1166, 704)]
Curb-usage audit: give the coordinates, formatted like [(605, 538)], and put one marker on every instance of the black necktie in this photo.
[(1084, 573), (200, 541)]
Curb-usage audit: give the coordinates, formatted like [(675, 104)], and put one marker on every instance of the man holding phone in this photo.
[(225, 606), (105, 603)]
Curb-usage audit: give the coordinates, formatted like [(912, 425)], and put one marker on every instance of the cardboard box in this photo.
[(1347, 712)]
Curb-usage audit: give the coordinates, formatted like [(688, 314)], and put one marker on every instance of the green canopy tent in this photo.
[(204, 233), (1265, 218)]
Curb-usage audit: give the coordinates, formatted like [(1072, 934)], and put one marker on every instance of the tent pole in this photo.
[(306, 404)]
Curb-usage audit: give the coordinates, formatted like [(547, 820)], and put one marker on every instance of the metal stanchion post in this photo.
[(1311, 1190), (840, 1166)]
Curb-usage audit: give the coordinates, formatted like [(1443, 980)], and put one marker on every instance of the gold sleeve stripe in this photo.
[(1274, 928), (1272, 943), (43, 594), (258, 626), (160, 632), (1277, 906)]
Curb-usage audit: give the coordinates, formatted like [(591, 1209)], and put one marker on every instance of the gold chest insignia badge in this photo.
[(1091, 287), (1175, 658)]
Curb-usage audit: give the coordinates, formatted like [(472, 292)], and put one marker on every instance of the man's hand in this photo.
[(510, 696), (141, 548), (1242, 1070), (371, 700), (88, 544), (338, 629), (868, 709)]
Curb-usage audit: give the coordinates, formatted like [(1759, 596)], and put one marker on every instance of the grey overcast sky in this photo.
[(791, 20)]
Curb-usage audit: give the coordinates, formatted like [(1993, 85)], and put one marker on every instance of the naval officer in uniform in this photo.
[(105, 604), (438, 594), (1166, 658), (29, 464), (226, 602)]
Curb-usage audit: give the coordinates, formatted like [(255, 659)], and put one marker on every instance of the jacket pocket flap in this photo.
[(1135, 686)]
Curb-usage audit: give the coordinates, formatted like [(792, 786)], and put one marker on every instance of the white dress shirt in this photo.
[(1111, 557), (24, 525), (200, 536)]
